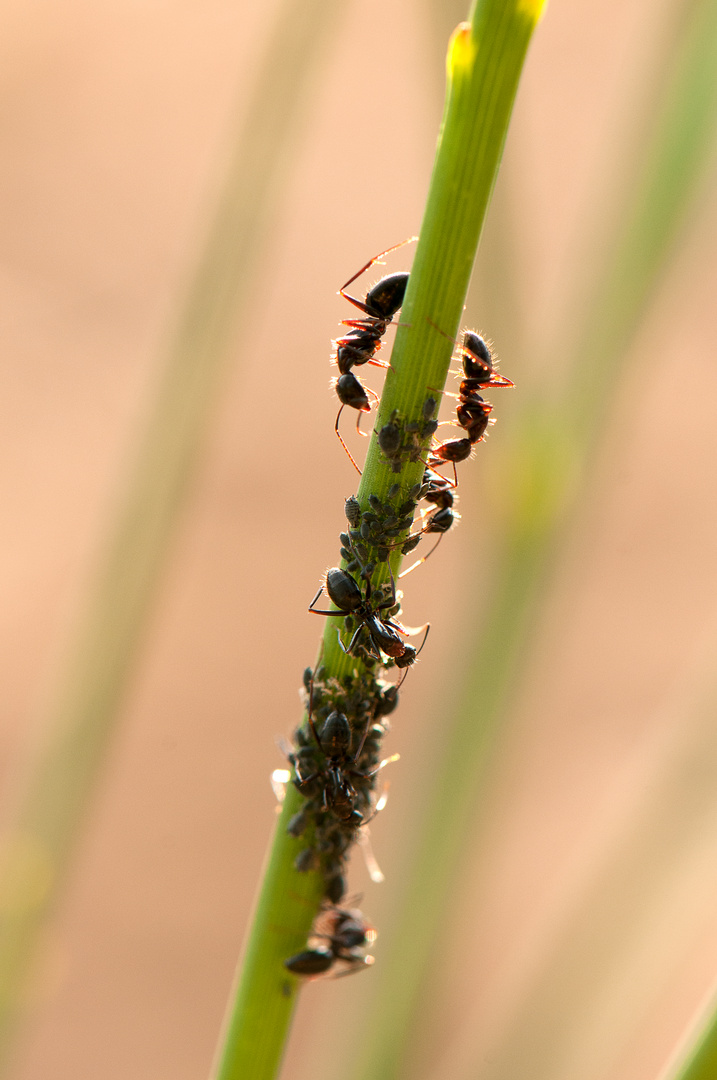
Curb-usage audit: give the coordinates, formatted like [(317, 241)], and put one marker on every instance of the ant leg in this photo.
[(316, 611), (434, 469), (311, 605), (419, 561), (377, 258), (358, 963), (391, 600), (310, 714), (428, 627), (338, 433), (347, 648), (358, 416)]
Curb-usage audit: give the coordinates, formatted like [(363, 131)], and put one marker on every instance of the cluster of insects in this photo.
[(336, 754)]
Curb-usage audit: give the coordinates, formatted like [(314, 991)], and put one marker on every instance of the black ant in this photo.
[(473, 413), (346, 933), (479, 373), (363, 340), (384, 633), (439, 491)]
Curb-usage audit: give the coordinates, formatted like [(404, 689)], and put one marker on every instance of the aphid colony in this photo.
[(337, 756)]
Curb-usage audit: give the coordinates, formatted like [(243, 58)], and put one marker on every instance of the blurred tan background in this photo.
[(115, 123)]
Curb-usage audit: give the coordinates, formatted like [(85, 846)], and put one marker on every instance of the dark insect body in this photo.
[(472, 413), (346, 933), (383, 632), (363, 339), (478, 365), (333, 776), (439, 492)]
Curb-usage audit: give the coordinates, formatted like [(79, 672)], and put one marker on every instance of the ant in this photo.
[(346, 932), (363, 339), (345, 593), (473, 413), (439, 491)]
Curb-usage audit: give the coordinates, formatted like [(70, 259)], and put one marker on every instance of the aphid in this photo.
[(352, 509), (346, 934)]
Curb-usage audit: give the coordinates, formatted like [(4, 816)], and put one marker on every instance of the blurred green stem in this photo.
[(45, 826), (699, 1060)]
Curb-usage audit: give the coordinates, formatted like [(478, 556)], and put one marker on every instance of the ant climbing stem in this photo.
[(363, 339), (376, 297), (383, 631)]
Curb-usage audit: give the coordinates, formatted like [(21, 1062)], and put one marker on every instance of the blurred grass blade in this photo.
[(697, 1059), (628, 908), (674, 168), (44, 829), (550, 447)]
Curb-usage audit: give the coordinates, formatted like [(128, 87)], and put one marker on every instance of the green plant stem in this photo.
[(485, 60), (44, 829), (699, 1060), (552, 441)]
